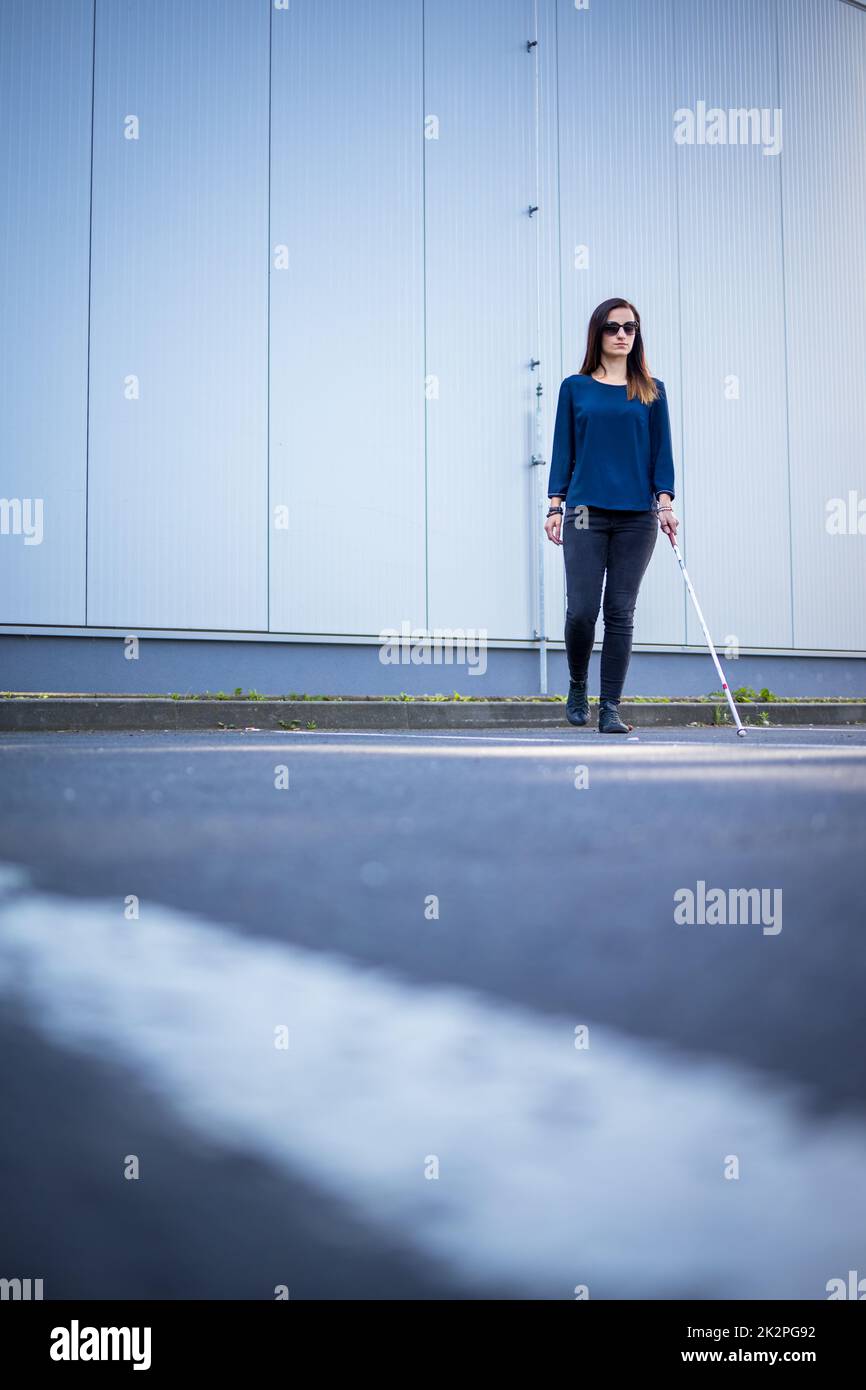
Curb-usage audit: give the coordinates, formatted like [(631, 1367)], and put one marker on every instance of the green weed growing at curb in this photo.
[(745, 695)]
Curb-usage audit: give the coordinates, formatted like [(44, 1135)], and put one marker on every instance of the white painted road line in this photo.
[(557, 1166)]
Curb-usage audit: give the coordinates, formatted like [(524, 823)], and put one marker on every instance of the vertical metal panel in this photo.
[(481, 322), (178, 477), (347, 317), (617, 93), (823, 80), (734, 507), (550, 276), (45, 101)]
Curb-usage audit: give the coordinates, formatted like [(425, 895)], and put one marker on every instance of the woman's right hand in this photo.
[(553, 527)]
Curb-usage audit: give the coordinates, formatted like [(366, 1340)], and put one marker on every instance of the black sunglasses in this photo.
[(613, 328)]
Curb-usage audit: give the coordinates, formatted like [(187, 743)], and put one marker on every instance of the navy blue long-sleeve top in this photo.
[(609, 451)]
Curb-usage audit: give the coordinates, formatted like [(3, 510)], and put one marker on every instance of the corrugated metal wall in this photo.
[(822, 65), (347, 317), (45, 99), (177, 477), (272, 291)]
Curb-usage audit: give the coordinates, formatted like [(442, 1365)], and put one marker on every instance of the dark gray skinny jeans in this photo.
[(620, 543)]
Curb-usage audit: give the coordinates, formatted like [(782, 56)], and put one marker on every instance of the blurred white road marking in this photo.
[(558, 1167)]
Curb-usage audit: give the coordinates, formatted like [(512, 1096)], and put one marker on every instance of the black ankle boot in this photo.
[(577, 704), (609, 721)]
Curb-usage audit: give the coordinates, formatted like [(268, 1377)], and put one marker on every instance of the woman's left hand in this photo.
[(667, 520)]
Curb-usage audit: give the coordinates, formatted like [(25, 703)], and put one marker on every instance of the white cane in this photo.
[(741, 732)]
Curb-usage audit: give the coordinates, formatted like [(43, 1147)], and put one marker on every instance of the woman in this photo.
[(613, 465)]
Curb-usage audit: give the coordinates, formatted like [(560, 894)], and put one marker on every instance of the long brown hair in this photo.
[(638, 380)]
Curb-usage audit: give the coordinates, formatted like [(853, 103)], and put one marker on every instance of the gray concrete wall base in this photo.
[(168, 665)]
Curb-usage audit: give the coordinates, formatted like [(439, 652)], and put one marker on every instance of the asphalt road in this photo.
[(334, 1022)]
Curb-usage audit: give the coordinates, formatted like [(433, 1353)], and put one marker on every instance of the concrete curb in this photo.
[(88, 713)]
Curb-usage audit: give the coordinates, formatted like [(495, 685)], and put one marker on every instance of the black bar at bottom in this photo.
[(162, 1338)]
